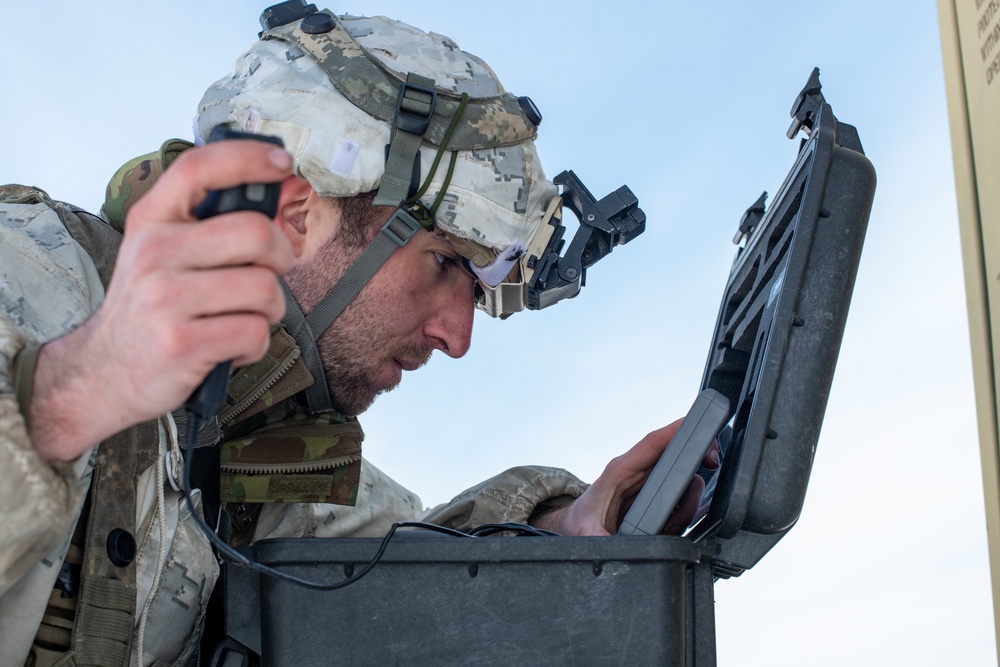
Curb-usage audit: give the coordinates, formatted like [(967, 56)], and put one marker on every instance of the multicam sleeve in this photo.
[(512, 496)]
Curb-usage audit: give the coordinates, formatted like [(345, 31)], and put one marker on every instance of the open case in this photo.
[(435, 600)]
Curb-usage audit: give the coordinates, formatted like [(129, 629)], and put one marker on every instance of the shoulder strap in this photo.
[(99, 239), (105, 615)]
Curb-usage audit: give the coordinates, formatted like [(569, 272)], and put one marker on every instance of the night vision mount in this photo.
[(614, 220)]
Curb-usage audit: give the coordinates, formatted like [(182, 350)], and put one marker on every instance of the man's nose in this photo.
[(451, 326)]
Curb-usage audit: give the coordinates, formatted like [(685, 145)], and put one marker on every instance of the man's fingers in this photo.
[(232, 239), (200, 294), (241, 337), (686, 508), (647, 452), (712, 457), (186, 295), (215, 166)]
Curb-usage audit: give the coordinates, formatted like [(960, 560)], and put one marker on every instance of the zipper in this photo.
[(289, 468), (269, 381)]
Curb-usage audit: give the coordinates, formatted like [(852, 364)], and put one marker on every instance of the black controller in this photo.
[(206, 400)]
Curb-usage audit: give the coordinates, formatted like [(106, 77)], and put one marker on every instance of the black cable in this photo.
[(521, 529), (231, 554), (433, 527)]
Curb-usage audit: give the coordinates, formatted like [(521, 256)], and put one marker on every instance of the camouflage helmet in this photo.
[(331, 87)]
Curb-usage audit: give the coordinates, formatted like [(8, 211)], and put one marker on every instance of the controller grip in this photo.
[(206, 400)]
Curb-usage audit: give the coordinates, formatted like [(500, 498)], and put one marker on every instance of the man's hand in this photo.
[(600, 509), (184, 296)]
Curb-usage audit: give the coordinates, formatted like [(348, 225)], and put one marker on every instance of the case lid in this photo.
[(779, 329)]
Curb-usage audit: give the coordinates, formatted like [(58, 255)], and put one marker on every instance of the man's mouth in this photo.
[(409, 364)]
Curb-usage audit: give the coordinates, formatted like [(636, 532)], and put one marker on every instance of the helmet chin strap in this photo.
[(415, 107), (317, 395), (306, 330)]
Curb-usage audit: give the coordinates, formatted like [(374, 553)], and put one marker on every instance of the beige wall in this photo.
[(970, 40)]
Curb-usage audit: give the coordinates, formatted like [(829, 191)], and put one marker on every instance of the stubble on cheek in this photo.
[(359, 368)]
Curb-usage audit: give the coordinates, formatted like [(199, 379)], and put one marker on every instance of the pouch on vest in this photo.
[(299, 460), (296, 458)]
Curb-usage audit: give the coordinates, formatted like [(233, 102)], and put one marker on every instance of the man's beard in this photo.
[(359, 342), (351, 359)]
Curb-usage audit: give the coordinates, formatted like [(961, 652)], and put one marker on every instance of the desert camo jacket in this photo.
[(48, 286)]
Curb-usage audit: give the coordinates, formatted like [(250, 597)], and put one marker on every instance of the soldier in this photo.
[(103, 334)]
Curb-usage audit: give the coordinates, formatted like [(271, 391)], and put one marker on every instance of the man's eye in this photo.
[(444, 260)]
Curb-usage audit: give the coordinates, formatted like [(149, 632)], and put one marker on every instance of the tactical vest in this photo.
[(270, 450)]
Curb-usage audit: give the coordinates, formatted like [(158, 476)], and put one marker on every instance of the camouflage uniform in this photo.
[(48, 286)]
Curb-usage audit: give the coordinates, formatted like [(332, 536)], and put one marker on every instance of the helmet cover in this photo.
[(497, 196)]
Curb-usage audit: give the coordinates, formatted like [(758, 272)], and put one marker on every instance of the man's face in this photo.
[(421, 300)]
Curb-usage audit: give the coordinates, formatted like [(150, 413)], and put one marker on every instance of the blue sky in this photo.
[(687, 104)]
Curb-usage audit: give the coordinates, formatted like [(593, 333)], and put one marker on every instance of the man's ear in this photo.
[(296, 198)]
